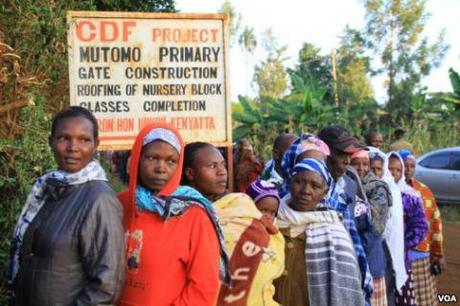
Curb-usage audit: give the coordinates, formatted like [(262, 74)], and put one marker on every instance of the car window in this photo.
[(455, 161), (437, 161)]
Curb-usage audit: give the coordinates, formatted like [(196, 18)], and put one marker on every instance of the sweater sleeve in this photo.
[(436, 247), (203, 268), (102, 251), (416, 226)]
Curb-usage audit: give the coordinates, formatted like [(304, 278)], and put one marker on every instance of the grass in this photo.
[(450, 212)]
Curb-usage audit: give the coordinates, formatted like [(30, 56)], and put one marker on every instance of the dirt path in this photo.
[(449, 281)]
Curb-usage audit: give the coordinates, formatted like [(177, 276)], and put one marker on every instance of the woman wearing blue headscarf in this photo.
[(313, 276), (310, 146)]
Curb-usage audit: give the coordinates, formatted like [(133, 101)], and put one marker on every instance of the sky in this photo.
[(321, 22)]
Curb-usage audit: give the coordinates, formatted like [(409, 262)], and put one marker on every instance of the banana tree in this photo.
[(303, 110), (452, 99)]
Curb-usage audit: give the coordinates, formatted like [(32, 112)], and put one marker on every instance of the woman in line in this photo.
[(310, 146), (428, 257), (67, 247), (395, 275), (415, 225), (255, 245), (321, 265), (174, 242), (378, 195)]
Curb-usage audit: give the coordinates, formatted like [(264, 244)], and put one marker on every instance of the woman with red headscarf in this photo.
[(174, 241)]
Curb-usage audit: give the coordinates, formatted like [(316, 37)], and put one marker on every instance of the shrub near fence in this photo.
[(22, 161)]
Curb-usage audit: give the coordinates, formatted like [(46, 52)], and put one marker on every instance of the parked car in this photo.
[(440, 170)]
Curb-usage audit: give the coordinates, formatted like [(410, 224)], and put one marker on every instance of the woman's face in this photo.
[(157, 164), (377, 167), (307, 190), (268, 206), (208, 173), (409, 168), (361, 165), (395, 167), (73, 143), (337, 163)]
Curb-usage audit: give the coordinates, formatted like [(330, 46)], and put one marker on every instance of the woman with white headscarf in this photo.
[(394, 229), (415, 225), (428, 258)]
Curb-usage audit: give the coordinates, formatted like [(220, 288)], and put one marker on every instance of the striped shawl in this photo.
[(332, 268)]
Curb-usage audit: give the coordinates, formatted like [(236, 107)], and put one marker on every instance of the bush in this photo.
[(22, 161)]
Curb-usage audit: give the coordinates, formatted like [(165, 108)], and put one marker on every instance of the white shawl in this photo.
[(394, 229)]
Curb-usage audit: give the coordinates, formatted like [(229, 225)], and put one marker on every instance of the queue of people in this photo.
[(327, 221)]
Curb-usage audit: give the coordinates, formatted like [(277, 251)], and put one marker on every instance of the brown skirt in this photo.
[(424, 282), (379, 295)]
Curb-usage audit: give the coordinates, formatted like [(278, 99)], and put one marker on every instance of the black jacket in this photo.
[(73, 250)]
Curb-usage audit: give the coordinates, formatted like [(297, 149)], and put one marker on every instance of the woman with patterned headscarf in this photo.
[(428, 257), (175, 249), (310, 146), (306, 146), (312, 276)]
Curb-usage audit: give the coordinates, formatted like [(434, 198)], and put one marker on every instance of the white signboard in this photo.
[(132, 69)]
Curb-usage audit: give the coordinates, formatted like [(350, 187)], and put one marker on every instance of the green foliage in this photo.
[(305, 110), (163, 6), (270, 76), (427, 137), (450, 212), (451, 99), (37, 31), (22, 161), (248, 40), (394, 32), (311, 64), (353, 70)]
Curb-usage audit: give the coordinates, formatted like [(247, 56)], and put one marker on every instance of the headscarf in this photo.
[(316, 166), (261, 189), (145, 200), (38, 197), (164, 135), (406, 154), (306, 142), (402, 185), (394, 229), (173, 200)]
